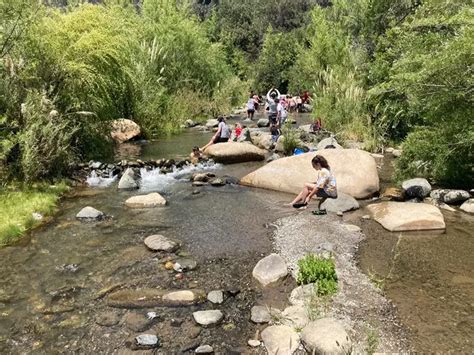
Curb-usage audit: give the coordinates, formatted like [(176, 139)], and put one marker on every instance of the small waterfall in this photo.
[(155, 180), (93, 180)]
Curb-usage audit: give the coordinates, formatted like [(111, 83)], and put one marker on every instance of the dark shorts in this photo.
[(221, 140), (321, 193), (272, 117), (250, 111)]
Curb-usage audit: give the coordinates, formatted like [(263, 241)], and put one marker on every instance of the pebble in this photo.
[(254, 343), (216, 297), (208, 317), (147, 340), (158, 242), (204, 349)]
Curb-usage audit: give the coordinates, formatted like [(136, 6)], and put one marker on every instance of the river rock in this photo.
[(234, 152), (90, 213), (184, 264), (146, 201), (204, 349), (263, 314), (326, 336), (416, 188), (204, 177), (212, 123), (124, 129), (137, 322), (468, 206), (406, 216), (161, 243), (329, 143), (151, 297), (355, 171), (127, 181), (253, 343), (394, 194), (107, 319), (342, 203), (439, 204), (190, 123), (451, 197), (270, 269), (207, 318), (147, 341), (301, 295), (263, 141), (396, 153), (244, 136), (295, 316), (263, 122), (273, 157), (216, 297), (217, 182), (280, 339)]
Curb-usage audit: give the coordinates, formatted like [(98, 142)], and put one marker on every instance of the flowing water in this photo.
[(50, 282)]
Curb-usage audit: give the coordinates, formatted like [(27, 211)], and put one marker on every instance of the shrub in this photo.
[(320, 271), (290, 139)]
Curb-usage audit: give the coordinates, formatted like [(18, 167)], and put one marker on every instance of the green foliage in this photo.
[(290, 139), (320, 271), (275, 60), (17, 205)]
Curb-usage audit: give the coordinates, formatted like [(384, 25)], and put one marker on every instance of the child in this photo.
[(275, 132), (316, 126), (196, 155), (238, 130)]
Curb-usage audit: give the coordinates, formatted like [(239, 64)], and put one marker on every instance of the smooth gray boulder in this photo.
[(416, 188), (326, 336), (270, 269), (159, 242), (128, 181), (342, 203), (468, 206), (90, 213), (206, 318), (212, 123), (451, 197), (280, 339)]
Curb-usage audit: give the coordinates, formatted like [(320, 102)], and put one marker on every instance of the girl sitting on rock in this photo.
[(324, 187)]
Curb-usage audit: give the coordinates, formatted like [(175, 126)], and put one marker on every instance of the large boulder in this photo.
[(146, 201), (263, 141), (451, 197), (263, 122), (355, 171), (212, 123), (229, 153), (407, 216), (342, 203), (280, 339), (468, 206), (416, 188), (123, 130), (128, 180), (270, 269), (326, 336)]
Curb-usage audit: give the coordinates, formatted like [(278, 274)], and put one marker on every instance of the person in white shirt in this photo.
[(221, 136)]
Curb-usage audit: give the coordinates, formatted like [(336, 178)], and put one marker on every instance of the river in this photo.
[(50, 282)]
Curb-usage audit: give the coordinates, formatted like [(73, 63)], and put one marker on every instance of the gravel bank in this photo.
[(358, 304)]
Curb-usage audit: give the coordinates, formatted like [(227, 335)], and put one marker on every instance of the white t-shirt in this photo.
[(251, 104), (225, 132), (282, 111)]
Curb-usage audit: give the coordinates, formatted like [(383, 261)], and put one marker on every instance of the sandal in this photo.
[(319, 212), (300, 204)]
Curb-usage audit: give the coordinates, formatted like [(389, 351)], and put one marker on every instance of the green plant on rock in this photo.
[(320, 271), (290, 139)]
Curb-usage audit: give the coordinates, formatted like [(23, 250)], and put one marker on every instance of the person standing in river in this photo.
[(250, 107), (221, 136), (272, 101), (324, 187)]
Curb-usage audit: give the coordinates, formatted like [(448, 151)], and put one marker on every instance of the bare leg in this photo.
[(301, 196), (321, 201), (211, 142)]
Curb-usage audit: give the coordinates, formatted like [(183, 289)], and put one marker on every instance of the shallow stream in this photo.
[(50, 282)]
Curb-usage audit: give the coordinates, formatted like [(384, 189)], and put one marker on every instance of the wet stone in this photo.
[(254, 343), (107, 319), (160, 243), (189, 346), (147, 341), (137, 322), (270, 269), (184, 264), (261, 314), (90, 213)]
